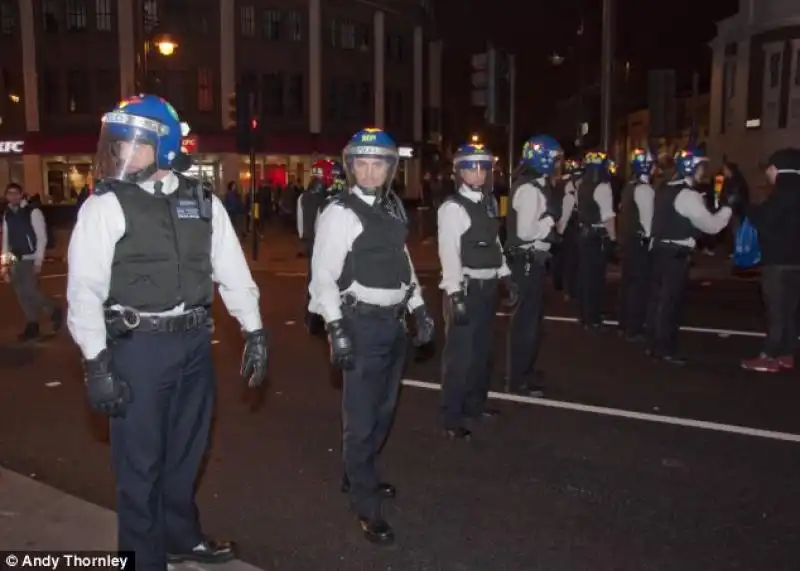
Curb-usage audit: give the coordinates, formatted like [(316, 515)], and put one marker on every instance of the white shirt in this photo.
[(453, 222), (644, 196), (530, 203), (300, 216), (337, 229), (101, 224), (39, 230), (691, 204), (604, 197), (568, 204)]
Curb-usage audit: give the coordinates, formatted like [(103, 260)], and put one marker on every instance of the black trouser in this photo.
[(565, 262), (158, 447), (369, 398), (669, 277), (314, 322), (591, 275), (781, 289), (525, 325), (467, 356), (635, 286)]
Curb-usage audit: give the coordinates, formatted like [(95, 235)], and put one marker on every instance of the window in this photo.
[(176, 89), (295, 104), (103, 15), (76, 15), (50, 16), (106, 89), (247, 21), (199, 23), (774, 70), (78, 92), (294, 26), (730, 78), (366, 103), (394, 47), (394, 107), (150, 15), (272, 94), (350, 100), (51, 96), (205, 90), (271, 25), (333, 34), (8, 18), (332, 100), (349, 36), (363, 37)]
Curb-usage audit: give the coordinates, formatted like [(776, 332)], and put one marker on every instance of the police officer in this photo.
[(309, 205), (680, 216), (636, 218), (472, 264), (362, 283), (531, 233), (143, 258), (565, 261), (597, 237)]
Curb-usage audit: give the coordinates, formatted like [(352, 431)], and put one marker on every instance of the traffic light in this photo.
[(232, 110), (245, 111), (498, 90)]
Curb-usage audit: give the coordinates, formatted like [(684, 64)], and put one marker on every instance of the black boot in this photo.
[(30, 332)]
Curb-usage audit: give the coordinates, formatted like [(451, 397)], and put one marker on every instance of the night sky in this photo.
[(649, 35)]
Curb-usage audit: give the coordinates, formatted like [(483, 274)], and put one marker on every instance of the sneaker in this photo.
[(786, 362), (762, 364)]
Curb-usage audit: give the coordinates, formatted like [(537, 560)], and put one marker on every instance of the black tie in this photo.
[(157, 188)]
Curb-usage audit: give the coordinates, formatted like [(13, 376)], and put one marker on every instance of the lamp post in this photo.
[(150, 38)]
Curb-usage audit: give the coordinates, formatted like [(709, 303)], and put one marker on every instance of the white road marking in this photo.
[(53, 384), (628, 414), (214, 341), (688, 328), (52, 276)]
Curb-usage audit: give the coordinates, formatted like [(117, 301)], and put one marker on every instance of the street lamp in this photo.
[(475, 138), (165, 44)]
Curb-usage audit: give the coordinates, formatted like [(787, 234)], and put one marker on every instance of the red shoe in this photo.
[(786, 362), (762, 364)]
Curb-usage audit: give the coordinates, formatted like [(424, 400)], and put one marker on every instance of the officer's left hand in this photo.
[(512, 292), (255, 357), (425, 326)]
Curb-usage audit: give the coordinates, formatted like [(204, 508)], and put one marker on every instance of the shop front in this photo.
[(11, 162)]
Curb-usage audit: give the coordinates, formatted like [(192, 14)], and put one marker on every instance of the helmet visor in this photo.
[(127, 148)]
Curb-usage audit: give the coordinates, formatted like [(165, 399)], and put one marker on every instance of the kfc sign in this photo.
[(189, 145), (11, 147)]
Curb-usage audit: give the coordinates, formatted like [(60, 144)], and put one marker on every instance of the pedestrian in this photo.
[(24, 245), (597, 239), (531, 226), (143, 258), (680, 216), (636, 221), (473, 264), (735, 183), (362, 284), (777, 221)]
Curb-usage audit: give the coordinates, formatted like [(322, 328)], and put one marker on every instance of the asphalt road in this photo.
[(540, 488)]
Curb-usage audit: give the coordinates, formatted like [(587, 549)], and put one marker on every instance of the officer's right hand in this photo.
[(342, 352), (108, 394), (458, 308)]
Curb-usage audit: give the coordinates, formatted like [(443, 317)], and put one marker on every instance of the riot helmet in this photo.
[(370, 160)]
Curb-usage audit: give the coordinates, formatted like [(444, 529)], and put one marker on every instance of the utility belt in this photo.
[(122, 321), (351, 302), (641, 239), (676, 249), (519, 254), (592, 230), (471, 282)]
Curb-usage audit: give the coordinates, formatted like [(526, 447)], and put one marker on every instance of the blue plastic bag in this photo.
[(748, 252)]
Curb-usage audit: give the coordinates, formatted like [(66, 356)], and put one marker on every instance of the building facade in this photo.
[(755, 84), (324, 70)]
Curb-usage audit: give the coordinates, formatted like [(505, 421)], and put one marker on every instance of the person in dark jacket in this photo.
[(735, 183), (777, 221)]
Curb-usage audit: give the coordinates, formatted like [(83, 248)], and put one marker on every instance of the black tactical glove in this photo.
[(255, 357), (512, 292), (458, 308), (107, 393), (425, 326), (342, 352)]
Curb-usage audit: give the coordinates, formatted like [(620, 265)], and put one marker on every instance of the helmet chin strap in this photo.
[(142, 175)]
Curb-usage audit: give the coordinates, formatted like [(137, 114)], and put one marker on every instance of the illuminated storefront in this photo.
[(11, 165)]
